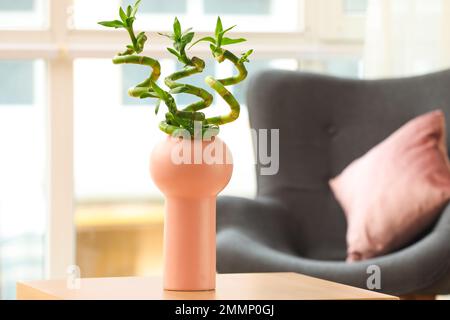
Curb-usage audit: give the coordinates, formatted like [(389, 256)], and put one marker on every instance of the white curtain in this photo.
[(406, 37)]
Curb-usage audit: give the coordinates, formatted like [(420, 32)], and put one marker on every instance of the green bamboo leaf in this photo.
[(168, 35), (177, 45), (219, 27), (177, 28), (221, 34), (135, 8), (130, 21), (187, 38), (187, 30), (112, 24), (227, 41), (226, 30), (245, 56), (141, 40), (123, 15), (157, 105), (207, 39), (158, 91), (174, 52)]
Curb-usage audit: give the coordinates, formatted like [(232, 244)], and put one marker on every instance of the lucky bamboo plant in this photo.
[(186, 118)]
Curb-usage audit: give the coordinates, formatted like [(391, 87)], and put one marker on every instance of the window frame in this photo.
[(336, 24), (59, 45), (196, 8)]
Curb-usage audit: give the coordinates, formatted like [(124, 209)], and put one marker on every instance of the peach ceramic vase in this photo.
[(190, 173)]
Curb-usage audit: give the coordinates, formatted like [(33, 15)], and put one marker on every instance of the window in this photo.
[(198, 80), (161, 7), (16, 88), (22, 14), (70, 137), (113, 141), (260, 65), (342, 19), (248, 7), (355, 6), (340, 67), (132, 75), (21, 5), (23, 158), (250, 15)]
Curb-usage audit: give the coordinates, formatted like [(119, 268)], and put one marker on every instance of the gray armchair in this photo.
[(295, 223)]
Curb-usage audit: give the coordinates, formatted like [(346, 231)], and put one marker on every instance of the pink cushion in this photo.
[(397, 189)]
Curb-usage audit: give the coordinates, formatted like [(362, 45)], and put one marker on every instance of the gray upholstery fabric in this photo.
[(295, 223)]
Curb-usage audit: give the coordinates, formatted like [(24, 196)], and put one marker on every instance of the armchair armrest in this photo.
[(263, 219)]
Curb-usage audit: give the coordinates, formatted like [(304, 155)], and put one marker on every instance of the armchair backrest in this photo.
[(325, 123)]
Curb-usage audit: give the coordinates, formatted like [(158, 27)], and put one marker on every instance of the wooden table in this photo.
[(256, 286)]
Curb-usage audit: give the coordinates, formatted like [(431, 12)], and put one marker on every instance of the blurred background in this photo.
[(74, 148)]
